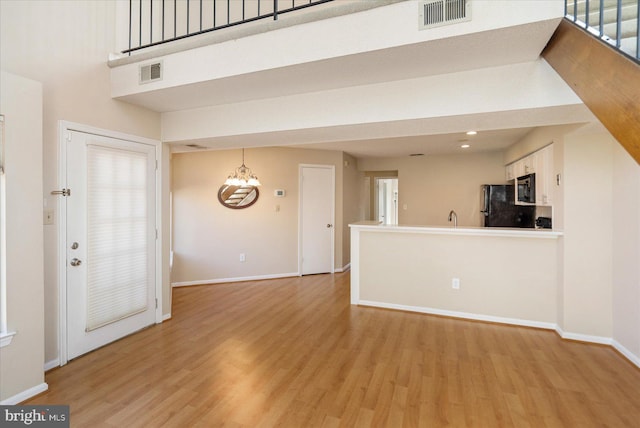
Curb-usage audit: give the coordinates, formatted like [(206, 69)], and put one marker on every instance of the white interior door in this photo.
[(110, 240), (317, 195)]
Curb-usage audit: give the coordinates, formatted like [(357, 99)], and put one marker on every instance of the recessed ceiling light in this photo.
[(472, 132), (465, 146)]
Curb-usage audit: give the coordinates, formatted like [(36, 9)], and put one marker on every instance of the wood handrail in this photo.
[(606, 81)]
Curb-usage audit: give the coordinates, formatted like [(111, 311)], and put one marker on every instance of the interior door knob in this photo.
[(75, 262), (328, 225)]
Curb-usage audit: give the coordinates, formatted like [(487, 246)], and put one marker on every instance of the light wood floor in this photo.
[(294, 353)]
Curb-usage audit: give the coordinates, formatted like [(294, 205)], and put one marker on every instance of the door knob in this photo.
[(328, 225), (75, 262)]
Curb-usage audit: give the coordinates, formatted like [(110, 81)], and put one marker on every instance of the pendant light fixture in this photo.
[(242, 176)]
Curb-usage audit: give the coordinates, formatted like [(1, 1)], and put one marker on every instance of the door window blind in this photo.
[(117, 221)]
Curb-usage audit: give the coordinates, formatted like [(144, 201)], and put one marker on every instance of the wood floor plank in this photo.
[(293, 352)]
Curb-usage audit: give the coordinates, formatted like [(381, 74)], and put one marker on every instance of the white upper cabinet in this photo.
[(540, 163), (529, 164), (544, 176), (509, 172)]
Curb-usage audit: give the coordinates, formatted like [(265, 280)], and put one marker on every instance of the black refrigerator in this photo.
[(498, 209)]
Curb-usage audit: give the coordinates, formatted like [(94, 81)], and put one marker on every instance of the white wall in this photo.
[(588, 234), (626, 251), (65, 45), (21, 362), (431, 186), (537, 139), (352, 203), (341, 36), (415, 268), (208, 237)]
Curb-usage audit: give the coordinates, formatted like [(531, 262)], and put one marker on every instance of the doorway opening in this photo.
[(381, 194), (387, 200)]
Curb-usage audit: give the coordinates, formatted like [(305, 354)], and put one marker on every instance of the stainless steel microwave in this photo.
[(526, 189)]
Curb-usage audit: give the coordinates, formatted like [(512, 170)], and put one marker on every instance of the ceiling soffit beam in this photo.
[(604, 79)]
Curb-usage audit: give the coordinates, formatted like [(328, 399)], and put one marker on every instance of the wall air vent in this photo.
[(434, 13), (150, 72)]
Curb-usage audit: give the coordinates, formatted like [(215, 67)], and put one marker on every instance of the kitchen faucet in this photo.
[(454, 216)]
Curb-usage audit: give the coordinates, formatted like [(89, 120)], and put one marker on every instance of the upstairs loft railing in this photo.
[(154, 22), (613, 21)]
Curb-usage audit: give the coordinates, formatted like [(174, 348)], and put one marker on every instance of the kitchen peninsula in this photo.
[(491, 274)]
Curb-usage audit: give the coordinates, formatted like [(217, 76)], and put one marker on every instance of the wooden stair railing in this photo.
[(606, 81)]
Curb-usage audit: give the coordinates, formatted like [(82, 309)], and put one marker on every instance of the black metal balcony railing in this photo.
[(613, 21), (154, 22)]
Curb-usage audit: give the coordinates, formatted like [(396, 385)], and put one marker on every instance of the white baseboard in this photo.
[(464, 315), (52, 364), (628, 354), (166, 317), (25, 395), (343, 268), (238, 279), (583, 337)]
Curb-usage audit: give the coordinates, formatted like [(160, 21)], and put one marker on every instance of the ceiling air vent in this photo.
[(151, 72), (434, 13)]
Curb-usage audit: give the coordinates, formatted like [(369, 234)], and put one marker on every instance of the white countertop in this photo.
[(374, 226)]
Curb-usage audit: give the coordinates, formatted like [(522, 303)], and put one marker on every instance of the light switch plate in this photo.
[(48, 217)]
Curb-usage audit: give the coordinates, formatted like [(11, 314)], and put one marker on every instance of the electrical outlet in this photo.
[(455, 283), (242, 257)]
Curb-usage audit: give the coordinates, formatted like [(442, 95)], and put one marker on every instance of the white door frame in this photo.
[(333, 213), (64, 127), (376, 193)]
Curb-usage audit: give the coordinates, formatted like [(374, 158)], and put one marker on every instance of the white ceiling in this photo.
[(425, 144), (483, 141)]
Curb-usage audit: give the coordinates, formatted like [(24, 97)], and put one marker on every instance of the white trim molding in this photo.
[(166, 317), (463, 315), (635, 359), (25, 395), (6, 338), (51, 364), (583, 337), (236, 279), (343, 268), (374, 226)]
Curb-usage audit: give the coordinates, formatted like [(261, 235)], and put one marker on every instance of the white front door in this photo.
[(110, 240), (317, 194)]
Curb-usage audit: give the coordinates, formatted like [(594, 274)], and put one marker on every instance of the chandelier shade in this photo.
[(242, 176)]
